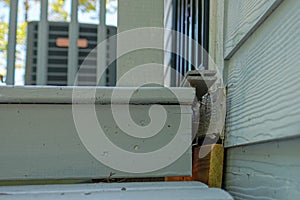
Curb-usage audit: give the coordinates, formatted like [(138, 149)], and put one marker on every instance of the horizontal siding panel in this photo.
[(267, 171), (242, 18), (264, 81)]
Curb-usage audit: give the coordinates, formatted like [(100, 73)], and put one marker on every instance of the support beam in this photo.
[(11, 49), (43, 45), (73, 48), (101, 49), (135, 14)]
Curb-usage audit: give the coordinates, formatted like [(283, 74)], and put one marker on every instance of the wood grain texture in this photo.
[(264, 171), (264, 79), (242, 18), (207, 166)]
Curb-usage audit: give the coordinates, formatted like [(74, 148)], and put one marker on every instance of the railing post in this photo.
[(11, 49), (42, 55), (101, 49), (73, 47), (141, 15)]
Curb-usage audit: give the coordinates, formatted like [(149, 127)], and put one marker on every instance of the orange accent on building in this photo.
[(64, 42)]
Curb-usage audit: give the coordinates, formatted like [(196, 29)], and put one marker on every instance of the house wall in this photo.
[(262, 48), (268, 170)]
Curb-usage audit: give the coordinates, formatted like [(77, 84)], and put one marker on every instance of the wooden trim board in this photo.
[(209, 169)]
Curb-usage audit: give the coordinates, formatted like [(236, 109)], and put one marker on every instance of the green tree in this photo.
[(58, 12), (21, 32), (3, 33)]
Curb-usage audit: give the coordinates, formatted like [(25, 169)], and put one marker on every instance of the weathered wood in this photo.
[(264, 171), (264, 79), (207, 166), (242, 18), (178, 178)]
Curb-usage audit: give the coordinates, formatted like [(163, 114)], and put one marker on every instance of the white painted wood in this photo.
[(105, 187), (102, 59), (11, 43), (168, 23), (216, 26), (264, 80), (134, 14), (73, 47), (63, 95), (242, 18), (43, 142), (42, 53), (188, 191), (264, 171)]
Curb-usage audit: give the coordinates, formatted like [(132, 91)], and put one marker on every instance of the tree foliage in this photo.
[(57, 10), (87, 5), (57, 13), (3, 33)]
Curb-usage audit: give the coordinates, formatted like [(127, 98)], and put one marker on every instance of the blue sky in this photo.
[(34, 13)]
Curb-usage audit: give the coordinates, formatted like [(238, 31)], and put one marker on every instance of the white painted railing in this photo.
[(43, 42)]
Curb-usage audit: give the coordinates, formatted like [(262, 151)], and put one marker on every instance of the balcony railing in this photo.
[(190, 17), (43, 33)]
